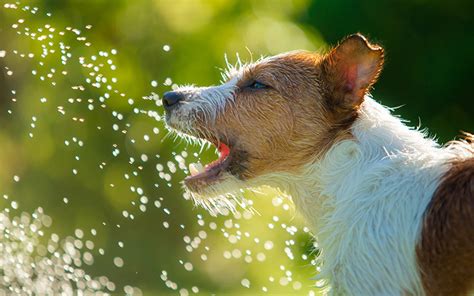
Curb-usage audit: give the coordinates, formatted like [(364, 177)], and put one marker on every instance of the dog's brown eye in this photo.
[(257, 85)]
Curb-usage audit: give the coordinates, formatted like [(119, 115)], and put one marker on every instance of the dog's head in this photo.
[(275, 115)]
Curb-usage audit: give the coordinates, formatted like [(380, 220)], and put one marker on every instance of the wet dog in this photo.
[(392, 211)]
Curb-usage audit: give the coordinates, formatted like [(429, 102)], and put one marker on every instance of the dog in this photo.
[(392, 211)]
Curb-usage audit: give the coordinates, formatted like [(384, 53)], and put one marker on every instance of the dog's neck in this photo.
[(367, 196), (379, 140)]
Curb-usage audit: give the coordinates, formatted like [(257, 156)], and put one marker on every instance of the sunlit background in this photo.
[(83, 149)]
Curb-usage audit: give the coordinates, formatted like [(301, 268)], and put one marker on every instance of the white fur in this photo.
[(207, 101), (365, 201)]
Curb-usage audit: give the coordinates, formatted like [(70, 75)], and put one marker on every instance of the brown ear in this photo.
[(350, 69)]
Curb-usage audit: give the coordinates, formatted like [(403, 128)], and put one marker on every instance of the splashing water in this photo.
[(30, 267), (35, 260)]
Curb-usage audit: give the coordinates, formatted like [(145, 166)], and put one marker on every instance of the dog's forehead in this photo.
[(290, 72), (298, 56), (286, 64)]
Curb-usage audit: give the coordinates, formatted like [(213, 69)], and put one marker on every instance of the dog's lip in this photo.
[(213, 170)]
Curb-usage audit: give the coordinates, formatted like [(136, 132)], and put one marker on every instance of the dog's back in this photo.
[(446, 250)]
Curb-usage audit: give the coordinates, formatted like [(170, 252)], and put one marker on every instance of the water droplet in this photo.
[(245, 283), (268, 245), (188, 266), (118, 262)]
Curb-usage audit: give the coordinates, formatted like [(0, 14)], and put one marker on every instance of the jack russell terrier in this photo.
[(392, 211)]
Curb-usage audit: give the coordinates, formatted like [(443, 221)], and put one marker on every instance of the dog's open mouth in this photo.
[(201, 176)]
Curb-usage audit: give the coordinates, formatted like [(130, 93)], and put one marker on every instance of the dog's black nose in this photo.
[(171, 98)]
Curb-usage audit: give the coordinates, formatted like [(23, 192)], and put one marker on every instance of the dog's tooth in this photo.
[(192, 169), (195, 168)]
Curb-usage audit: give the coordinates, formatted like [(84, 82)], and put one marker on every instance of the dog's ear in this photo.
[(350, 69)]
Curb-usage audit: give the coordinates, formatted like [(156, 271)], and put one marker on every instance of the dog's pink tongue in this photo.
[(224, 151)]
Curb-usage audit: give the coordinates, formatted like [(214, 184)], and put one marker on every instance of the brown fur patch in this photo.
[(446, 250), (282, 127)]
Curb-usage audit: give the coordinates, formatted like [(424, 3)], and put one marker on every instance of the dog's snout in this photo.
[(171, 99)]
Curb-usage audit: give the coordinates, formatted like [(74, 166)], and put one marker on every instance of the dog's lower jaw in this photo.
[(365, 201)]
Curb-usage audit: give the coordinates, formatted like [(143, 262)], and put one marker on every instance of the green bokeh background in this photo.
[(429, 48)]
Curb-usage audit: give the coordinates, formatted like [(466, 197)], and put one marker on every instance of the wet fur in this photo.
[(391, 209)]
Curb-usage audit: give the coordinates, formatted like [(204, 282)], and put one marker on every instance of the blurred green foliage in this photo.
[(429, 61), (429, 47)]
